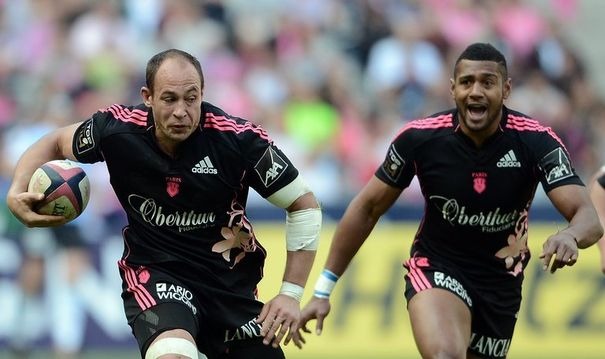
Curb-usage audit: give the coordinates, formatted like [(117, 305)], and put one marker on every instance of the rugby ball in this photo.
[(65, 186)]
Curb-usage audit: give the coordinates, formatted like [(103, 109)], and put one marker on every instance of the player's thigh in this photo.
[(441, 323), (169, 319)]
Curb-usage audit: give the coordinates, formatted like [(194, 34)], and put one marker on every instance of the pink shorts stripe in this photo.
[(415, 283), (417, 277), (142, 296)]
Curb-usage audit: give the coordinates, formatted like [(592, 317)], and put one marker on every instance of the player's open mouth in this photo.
[(476, 112)]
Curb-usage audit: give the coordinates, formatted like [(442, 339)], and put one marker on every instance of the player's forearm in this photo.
[(298, 266), (351, 233), (303, 227), (585, 227), (43, 150)]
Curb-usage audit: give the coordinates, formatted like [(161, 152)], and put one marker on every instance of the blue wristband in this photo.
[(325, 284)]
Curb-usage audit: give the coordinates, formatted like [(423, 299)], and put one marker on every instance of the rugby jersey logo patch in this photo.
[(556, 166), (270, 167), (393, 164), (479, 181), (85, 140), (173, 185)]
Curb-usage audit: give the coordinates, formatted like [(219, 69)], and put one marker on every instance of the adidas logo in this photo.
[(204, 166), (508, 160)]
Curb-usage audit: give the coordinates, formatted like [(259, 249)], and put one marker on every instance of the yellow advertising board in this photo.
[(562, 315)]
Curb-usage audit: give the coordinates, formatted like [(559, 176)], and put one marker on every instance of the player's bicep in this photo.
[(65, 138), (271, 172), (86, 139), (397, 169), (377, 197)]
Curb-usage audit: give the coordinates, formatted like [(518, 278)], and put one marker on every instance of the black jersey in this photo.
[(477, 199), (191, 208)]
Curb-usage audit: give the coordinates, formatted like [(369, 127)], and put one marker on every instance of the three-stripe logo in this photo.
[(509, 160), (204, 166)]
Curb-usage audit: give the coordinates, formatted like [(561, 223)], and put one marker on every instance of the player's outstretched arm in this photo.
[(280, 315), (597, 195), (359, 219), (55, 145), (584, 229)]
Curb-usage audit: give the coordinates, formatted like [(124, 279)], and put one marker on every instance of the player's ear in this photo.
[(146, 95), (507, 88)]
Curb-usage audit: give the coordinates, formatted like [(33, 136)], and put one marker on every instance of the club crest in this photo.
[(479, 181), (173, 185)]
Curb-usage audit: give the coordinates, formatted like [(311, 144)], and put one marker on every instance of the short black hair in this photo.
[(156, 61), (481, 51)]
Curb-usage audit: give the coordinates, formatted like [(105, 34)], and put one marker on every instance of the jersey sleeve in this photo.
[(554, 164), (269, 169), (397, 169), (86, 144)]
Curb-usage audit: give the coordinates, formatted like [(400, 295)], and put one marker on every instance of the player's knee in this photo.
[(443, 347), (443, 352), (168, 348)]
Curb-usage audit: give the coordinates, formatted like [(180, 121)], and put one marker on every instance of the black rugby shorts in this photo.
[(156, 298), (494, 312)]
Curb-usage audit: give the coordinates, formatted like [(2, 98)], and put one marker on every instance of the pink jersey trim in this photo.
[(443, 121), (124, 114), (223, 123), (527, 124), (142, 296)]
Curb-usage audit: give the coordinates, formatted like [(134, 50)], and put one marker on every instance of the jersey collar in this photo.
[(499, 131)]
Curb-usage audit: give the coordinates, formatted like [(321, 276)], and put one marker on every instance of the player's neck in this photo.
[(480, 137)]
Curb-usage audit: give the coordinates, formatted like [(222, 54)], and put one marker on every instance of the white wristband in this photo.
[(325, 284), (292, 290)]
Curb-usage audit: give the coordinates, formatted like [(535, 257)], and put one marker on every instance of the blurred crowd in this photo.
[(331, 81)]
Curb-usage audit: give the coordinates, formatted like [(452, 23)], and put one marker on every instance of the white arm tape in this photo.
[(173, 346), (290, 193), (302, 229)]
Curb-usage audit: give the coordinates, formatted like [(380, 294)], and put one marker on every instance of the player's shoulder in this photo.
[(530, 131), (429, 126), (218, 119), (515, 121), (440, 121), (215, 119), (124, 117)]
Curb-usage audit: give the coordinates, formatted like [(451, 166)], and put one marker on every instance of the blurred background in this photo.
[(331, 81)]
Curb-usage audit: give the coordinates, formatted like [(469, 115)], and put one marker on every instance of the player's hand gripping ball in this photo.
[(65, 186)]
